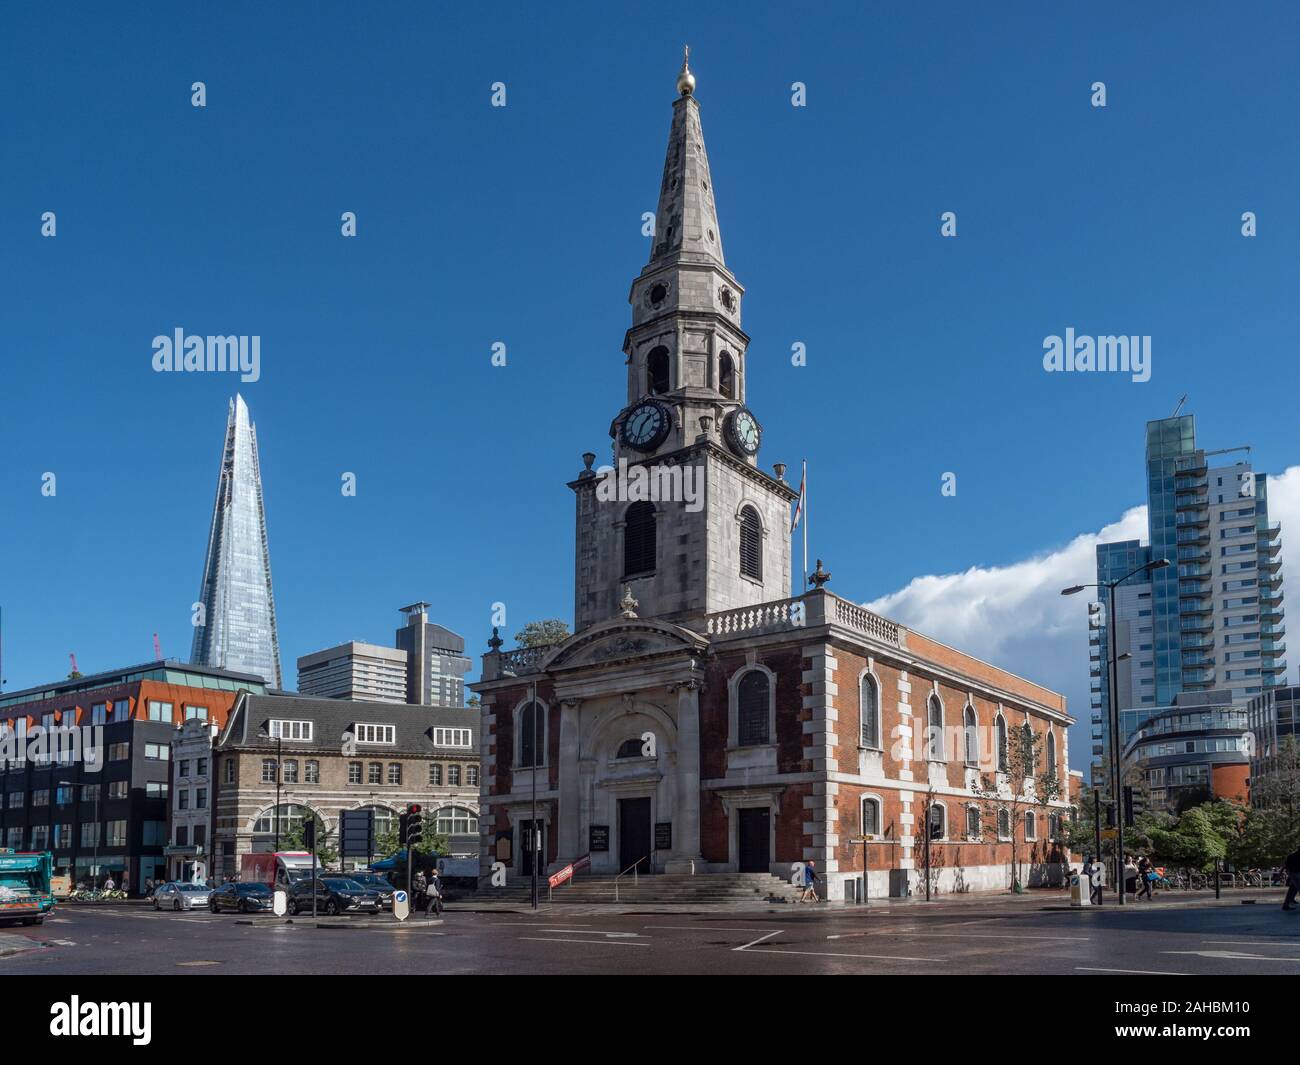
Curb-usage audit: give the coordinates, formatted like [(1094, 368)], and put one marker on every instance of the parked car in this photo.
[(180, 895), (376, 882), (334, 895), (242, 898)]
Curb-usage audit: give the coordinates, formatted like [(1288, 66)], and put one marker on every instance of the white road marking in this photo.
[(1231, 955), (1255, 942), (969, 935), (703, 928), (607, 935), (760, 939), (837, 954), (592, 942), (1134, 972)]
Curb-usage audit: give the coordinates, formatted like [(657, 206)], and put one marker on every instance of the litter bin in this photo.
[(1080, 890)]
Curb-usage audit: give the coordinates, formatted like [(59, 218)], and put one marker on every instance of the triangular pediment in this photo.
[(621, 639)]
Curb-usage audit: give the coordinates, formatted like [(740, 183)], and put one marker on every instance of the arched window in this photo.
[(530, 736), (751, 544), (629, 748), (1000, 733), (727, 376), (1031, 825), (385, 820), (934, 731), (656, 367), (455, 821), (938, 821), (752, 703), (639, 539), (970, 732), (869, 699), (1051, 753), (972, 822), (1004, 824), (292, 816), (870, 816)]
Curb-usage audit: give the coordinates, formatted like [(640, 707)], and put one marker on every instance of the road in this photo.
[(994, 936)]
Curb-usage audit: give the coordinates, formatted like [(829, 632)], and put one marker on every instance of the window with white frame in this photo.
[(870, 816), (753, 702), (934, 750), (268, 770), (291, 771), (452, 737), (970, 736), (1004, 824), (471, 775), (1031, 825), (312, 772), (160, 711), (972, 822), (453, 776), (1051, 753), (938, 821), (1000, 734), (869, 700), (376, 733), (375, 773), (530, 733), (435, 775), (290, 730), (394, 773), (354, 772), (455, 820)]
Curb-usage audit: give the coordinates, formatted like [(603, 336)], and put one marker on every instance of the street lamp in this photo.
[(279, 746), (1110, 586)]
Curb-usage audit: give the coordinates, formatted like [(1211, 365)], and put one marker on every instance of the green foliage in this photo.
[(542, 633), (1195, 842), (327, 852), (432, 843)]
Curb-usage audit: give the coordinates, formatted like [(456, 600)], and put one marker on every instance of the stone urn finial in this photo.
[(779, 469), (494, 644), (588, 457), (819, 576), (628, 604)]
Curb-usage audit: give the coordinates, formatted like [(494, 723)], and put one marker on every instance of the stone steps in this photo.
[(665, 888)]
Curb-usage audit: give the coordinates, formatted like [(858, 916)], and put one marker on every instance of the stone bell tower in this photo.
[(687, 520)]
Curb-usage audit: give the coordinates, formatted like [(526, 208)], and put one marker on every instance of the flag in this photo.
[(803, 488)]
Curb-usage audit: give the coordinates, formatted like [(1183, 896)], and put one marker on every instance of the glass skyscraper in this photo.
[(237, 630), (1212, 619)]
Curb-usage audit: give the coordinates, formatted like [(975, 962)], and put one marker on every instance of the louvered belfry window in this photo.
[(751, 544), (752, 709), (639, 539)]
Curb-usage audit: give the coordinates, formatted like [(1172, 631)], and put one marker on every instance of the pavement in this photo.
[(1037, 933)]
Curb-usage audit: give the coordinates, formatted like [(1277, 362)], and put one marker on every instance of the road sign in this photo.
[(356, 833), (280, 904), (1109, 833), (401, 905)]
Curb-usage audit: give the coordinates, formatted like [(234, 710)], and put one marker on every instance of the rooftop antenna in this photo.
[(1180, 406)]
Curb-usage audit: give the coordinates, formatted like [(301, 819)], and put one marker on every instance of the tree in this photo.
[(542, 633), (1019, 786), (294, 839), (1195, 842), (430, 848)]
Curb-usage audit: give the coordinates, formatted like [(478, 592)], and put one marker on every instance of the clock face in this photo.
[(743, 431), (646, 426)]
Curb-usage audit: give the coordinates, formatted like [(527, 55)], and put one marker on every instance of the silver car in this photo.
[(181, 896)]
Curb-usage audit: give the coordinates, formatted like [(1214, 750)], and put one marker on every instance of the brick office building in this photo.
[(701, 721), (113, 818), (397, 754)]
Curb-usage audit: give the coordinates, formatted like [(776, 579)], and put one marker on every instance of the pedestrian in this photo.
[(421, 888), (148, 886), (1092, 873), (809, 882), (1146, 874), (109, 884), (1292, 866), (435, 892)]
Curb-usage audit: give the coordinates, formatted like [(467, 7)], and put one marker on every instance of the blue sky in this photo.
[(522, 225)]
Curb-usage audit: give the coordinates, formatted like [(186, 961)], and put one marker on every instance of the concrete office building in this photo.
[(1273, 718), (355, 670), (437, 663)]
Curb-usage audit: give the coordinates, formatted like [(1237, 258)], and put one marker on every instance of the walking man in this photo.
[(1292, 879), (809, 882)]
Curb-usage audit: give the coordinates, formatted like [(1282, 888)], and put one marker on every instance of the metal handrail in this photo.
[(630, 869)]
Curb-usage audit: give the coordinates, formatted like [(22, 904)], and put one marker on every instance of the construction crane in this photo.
[(157, 649), (75, 671)]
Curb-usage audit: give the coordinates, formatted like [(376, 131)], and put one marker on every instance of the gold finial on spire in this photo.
[(686, 80)]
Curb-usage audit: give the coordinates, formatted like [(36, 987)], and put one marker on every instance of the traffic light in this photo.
[(1110, 815), (413, 830), (309, 833), (1133, 806)]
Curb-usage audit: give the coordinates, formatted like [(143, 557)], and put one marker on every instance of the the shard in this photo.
[(236, 629)]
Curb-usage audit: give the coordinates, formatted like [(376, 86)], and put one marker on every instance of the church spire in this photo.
[(686, 223)]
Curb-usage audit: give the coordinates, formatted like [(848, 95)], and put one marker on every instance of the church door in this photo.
[(634, 834), (754, 842), (526, 848)]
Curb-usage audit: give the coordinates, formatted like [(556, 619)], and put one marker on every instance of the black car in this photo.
[(334, 895), (376, 882), (242, 898)]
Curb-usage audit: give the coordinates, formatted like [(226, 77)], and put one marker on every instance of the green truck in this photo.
[(25, 892)]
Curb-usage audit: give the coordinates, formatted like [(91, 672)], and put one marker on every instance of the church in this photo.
[(700, 720)]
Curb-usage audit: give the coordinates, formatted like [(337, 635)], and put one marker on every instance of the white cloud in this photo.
[(1015, 616)]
